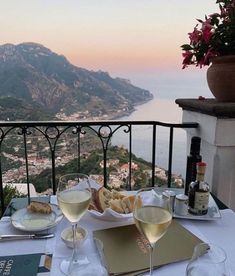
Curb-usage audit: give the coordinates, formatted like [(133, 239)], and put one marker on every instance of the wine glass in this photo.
[(152, 216), (74, 196), (207, 260)]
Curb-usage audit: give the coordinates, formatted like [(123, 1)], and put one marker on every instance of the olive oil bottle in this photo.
[(193, 158)]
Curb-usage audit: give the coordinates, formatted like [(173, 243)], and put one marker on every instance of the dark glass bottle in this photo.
[(198, 195), (193, 158)]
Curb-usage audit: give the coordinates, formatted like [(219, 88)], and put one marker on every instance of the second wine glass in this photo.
[(152, 217), (208, 260), (74, 196)]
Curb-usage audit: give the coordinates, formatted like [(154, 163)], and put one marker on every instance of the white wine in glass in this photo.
[(74, 204), (152, 217), (74, 196)]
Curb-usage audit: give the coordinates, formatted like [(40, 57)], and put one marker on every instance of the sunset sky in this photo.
[(124, 37)]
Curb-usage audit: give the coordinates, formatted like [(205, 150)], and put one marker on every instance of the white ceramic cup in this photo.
[(181, 205)]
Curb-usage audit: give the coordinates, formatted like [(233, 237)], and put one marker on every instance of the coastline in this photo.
[(111, 116), (129, 112)]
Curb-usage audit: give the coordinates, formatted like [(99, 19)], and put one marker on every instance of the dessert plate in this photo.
[(25, 220)]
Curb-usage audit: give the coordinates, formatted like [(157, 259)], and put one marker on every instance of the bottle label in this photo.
[(201, 201)]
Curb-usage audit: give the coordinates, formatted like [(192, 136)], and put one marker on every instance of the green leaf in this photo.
[(186, 47)]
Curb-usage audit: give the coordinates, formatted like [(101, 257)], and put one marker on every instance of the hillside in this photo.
[(45, 81)]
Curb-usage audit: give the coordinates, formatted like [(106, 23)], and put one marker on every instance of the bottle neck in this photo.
[(195, 148), (195, 153), (200, 177)]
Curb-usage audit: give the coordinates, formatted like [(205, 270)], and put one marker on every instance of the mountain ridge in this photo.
[(38, 76)]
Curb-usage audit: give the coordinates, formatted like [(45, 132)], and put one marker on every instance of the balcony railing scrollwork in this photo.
[(51, 133)]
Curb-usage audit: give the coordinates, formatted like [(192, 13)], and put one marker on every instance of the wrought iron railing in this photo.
[(52, 131)]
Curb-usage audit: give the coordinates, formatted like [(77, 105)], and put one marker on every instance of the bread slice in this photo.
[(129, 202), (116, 195), (116, 205), (102, 198), (39, 207), (125, 206)]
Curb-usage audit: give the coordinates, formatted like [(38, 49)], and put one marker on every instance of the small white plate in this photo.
[(212, 214), (24, 220)]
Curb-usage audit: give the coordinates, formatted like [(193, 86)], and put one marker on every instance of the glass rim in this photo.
[(222, 258), (155, 189), (145, 189), (63, 177)]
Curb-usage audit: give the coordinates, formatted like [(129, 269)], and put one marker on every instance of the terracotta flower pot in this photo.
[(221, 78)]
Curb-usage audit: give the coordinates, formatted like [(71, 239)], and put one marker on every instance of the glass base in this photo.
[(82, 267)]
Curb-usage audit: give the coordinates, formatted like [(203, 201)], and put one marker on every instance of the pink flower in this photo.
[(195, 36), (214, 37), (207, 34), (187, 55)]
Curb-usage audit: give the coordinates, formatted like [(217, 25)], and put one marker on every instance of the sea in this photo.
[(165, 89), (164, 110)]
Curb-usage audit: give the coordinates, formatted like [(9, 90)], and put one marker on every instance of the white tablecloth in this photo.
[(220, 232)]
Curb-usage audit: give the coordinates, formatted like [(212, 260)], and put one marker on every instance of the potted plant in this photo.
[(212, 42)]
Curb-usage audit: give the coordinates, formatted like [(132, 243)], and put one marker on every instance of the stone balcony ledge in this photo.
[(216, 129), (208, 106)]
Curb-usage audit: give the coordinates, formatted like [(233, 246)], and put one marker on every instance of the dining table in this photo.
[(220, 232)]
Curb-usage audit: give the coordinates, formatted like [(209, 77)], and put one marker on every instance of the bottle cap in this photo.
[(201, 164), (196, 139), (201, 167)]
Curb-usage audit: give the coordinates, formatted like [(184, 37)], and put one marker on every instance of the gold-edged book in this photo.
[(125, 250)]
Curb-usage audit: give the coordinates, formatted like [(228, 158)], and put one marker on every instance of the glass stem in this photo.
[(151, 260), (75, 249), (74, 258)]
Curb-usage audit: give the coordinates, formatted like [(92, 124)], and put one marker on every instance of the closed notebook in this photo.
[(125, 250)]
